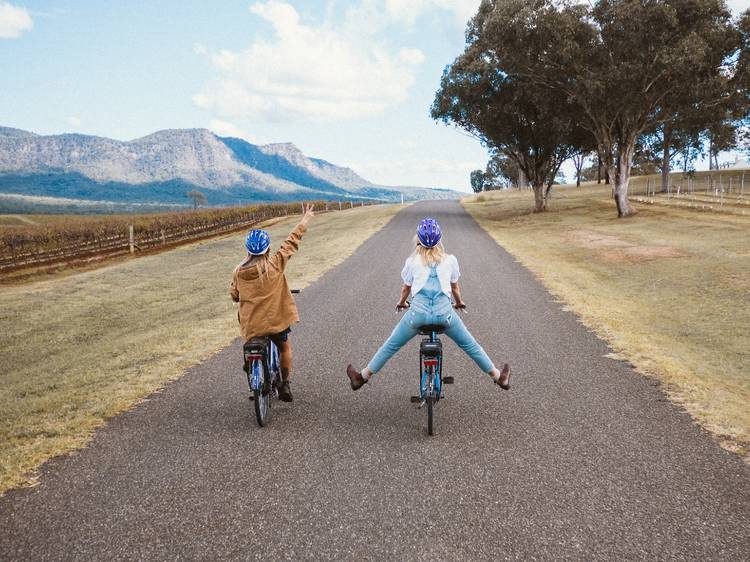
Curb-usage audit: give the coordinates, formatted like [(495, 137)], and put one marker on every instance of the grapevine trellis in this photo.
[(80, 238)]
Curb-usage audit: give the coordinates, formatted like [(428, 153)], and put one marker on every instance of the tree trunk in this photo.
[(522, 182), (665, 167), (540, 197), (598, 167), (622, 165)]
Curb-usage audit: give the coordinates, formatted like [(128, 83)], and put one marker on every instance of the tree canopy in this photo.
[(483, 93), (540, 78)]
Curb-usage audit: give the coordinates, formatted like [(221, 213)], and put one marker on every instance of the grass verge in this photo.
[(669, 289), (76, 350)]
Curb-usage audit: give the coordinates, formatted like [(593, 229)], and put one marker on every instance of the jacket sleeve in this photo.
[(233, 291), (289, 247)]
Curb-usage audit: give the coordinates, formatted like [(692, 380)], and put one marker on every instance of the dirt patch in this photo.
[(616, 250), (638, 254), (738, 280), (593, 239)]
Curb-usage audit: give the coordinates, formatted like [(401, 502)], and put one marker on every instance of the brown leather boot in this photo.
[(504, 379), (355, 378), (285, 392)]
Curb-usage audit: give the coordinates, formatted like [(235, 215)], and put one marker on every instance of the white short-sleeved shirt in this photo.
[(415, 273)]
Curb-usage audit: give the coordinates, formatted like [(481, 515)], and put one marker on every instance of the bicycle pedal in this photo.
[(447, 380), (415, 399), (251, 398)]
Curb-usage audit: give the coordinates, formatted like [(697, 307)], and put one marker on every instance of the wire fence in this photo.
[(724, 190)]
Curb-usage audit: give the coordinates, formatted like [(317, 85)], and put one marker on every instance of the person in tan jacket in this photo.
[(266, 304)]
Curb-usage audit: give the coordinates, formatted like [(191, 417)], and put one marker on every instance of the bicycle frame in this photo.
[(255, 371), (430, 374), (430, 367), (263, 375)]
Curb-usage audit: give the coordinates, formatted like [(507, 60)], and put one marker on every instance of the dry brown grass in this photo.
[(76, 350), (668, 289)]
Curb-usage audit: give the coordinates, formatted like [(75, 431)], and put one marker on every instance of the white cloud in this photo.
[(227, 129), (200, 49), (307, 72), (417, 171), (411, 56), (407, 11), (73, 121), (14, 20)]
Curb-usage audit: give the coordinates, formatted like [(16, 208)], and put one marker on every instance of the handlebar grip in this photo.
[(295, 291)]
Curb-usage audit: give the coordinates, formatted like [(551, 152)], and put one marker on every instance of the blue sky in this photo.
[(350, 82)]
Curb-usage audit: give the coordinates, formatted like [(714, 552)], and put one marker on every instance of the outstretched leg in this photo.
[(401, 334), (463, 338)]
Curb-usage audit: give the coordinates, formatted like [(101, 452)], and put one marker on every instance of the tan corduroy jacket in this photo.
[(266, 304)]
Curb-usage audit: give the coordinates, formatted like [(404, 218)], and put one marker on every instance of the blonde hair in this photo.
[(430, 256)]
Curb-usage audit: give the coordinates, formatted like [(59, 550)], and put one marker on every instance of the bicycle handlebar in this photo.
[(295, 291), (460, 308)]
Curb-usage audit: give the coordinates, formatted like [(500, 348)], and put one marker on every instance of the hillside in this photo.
[(161, 167)]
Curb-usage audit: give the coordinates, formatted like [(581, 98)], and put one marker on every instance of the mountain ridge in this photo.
[(168, 161)]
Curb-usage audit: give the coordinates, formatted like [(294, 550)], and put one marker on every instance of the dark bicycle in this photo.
[(263, 369)]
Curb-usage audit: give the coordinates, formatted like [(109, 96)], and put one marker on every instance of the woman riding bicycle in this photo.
[(431, 278), (266, 304)]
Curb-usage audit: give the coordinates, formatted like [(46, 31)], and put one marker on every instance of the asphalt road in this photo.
[(581, 459)]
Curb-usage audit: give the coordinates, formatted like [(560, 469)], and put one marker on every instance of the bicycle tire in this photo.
[(261, 399), (429, 415)]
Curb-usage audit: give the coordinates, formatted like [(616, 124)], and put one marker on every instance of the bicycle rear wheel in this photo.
[(430, 401), (262, 397)]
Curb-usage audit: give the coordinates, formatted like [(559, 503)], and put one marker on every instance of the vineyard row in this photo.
[(82, 237)]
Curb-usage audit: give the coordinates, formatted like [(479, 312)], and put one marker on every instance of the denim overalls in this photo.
[(431, 306)]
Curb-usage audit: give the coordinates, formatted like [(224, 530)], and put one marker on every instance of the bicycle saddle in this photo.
[(256, 344), (429, 328)]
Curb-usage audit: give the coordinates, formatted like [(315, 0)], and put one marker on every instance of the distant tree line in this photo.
[(627, 85)]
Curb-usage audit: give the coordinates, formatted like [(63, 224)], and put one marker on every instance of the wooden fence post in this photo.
[(132, 239), (339, 205), (163, 237)]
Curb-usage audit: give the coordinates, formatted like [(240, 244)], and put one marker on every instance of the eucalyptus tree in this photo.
[(620, 61), (484, 93), (502, 171), (477, 181)]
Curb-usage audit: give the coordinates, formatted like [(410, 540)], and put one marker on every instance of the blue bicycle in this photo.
[(263, 375), (431, 379), (263, 368)]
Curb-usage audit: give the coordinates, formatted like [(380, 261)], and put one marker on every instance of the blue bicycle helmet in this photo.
[(257, 242), (428, 233)]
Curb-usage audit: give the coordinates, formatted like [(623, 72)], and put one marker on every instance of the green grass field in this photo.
[(669, 289), (78, 349)]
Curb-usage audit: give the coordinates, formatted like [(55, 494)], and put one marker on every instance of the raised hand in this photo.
[(308, 214)]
